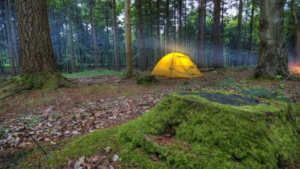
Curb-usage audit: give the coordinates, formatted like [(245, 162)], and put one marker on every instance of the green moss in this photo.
[(47, 81), (221, 136), (146, 80)]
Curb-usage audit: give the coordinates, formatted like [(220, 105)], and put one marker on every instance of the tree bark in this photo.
[(201, 51), (297, 27), (15, 45), (180, 27), (129, 67), (251, 33), (116, 39), (217, 53), (167, 45), (273, 53), (71, 37), (142, 59), (239, 28), (9, 39), (95, 50), (158, 31), (38, 66)]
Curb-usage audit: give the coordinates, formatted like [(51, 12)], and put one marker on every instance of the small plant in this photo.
[(279, 77), (138, 97), (3, 131), (31, 121)]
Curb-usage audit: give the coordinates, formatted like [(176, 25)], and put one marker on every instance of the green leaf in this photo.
[(219, 84), (281, 85), (285, 99), (247, 92), (230, 80), (274, 95)]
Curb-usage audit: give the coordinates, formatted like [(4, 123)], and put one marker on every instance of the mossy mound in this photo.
[(47, 80), (146, 80), (208, 135)]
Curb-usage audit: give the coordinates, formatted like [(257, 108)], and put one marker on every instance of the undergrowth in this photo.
[(87, 73)]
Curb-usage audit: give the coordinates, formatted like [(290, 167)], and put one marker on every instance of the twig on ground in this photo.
[(43, 151)]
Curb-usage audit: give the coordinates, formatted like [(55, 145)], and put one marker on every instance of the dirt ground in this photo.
[(100, 102)]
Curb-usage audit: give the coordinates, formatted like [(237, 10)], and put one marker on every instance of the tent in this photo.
[(176, 65)]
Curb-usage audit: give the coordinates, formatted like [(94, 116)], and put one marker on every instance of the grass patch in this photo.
[(93, 73), (209, 135), (90, 90)]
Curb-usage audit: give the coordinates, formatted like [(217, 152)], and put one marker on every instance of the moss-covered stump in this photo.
[(47, 80), (146, 80), (208, 134)]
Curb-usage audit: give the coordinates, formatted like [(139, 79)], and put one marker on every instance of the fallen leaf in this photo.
[(115, 158), (81, 160), (70, 162), (154, 157), (107, 149), (95, 159), (167, 135)]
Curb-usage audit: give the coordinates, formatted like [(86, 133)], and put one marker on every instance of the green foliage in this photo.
[(146, 80), (93, 73)]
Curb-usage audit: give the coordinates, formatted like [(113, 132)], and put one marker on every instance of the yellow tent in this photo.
[(176, 65)]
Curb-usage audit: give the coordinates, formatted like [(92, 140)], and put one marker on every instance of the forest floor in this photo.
[(102, 101)]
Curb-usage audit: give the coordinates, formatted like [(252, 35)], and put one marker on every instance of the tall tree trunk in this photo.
[(217, 53), (180, 27), (9, 39), (273, 53), (109, 62), (38, 67), (297, 27), (129, 67), (71, 37), (116, 39), (18, 60), (239, 28), (251, 32), (167, 45), (95, 50), (142, 59), (201, 48), (158, 31), (80, 34)]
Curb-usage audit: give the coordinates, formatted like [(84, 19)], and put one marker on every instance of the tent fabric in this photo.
[(176, 65)]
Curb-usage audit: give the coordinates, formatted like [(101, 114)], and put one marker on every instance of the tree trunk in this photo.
[(128, 41), (239, 28), (158, 31), (297, 27), (18, 60), (201, 51), (142, 59), (218, 58), (71, 37), (180, 27), (273, 53), (9, 39), (250, 33), (95, 50), (38, 67), (167, 45), (109, 62), (116, 41)]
